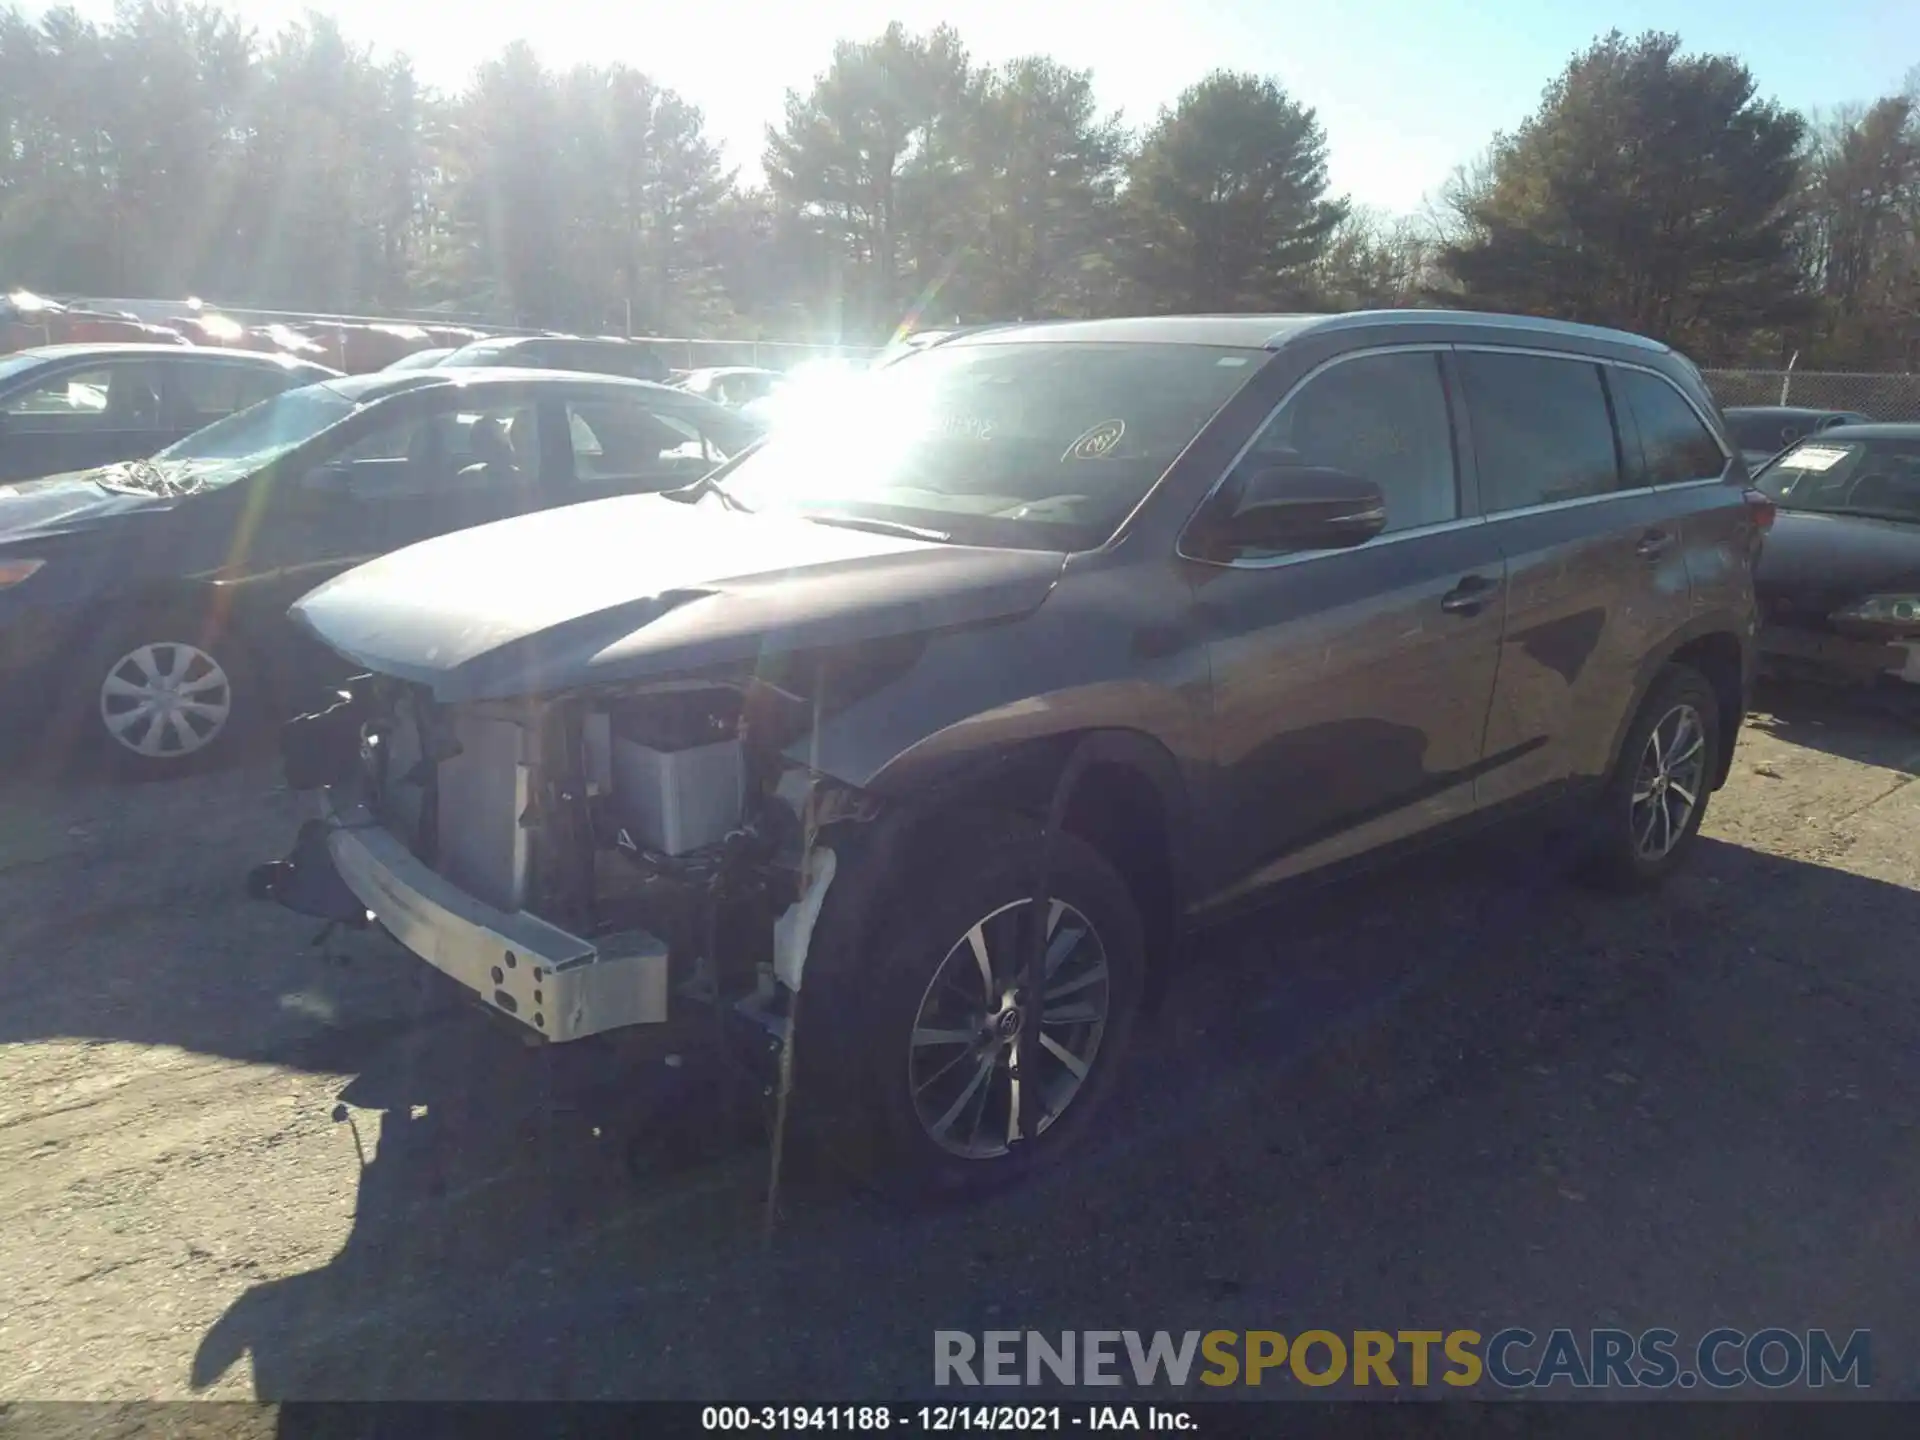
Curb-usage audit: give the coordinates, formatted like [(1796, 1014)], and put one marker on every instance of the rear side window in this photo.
[(627, 442), (123, 395), (1675, 444), (1541, 429), (199, 394)]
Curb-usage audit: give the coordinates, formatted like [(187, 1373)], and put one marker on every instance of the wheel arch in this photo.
[(213, 608), (1125, 798), (1714, 646)]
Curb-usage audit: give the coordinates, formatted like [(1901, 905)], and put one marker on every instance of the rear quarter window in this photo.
[(1675, 444), (199, 394)]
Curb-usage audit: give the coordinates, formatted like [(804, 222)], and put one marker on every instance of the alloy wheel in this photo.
[(1669, 783), (165, 700), (962, 1072)]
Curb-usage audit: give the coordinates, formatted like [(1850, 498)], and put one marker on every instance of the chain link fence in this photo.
[(1879, 397)]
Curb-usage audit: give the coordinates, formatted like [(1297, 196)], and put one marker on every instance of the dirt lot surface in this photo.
[(1470, 1096)]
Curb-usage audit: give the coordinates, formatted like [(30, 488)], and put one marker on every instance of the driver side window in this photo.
[(446, 452), (1382, 418)]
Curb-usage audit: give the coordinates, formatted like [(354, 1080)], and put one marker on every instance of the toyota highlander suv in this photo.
[(917, 739)]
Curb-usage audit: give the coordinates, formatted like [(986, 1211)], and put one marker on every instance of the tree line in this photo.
[(172, 150)]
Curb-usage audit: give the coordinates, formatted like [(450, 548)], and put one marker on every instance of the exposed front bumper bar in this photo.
[(556, 984)]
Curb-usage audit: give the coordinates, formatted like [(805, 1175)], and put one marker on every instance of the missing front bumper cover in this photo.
[(556, 984)]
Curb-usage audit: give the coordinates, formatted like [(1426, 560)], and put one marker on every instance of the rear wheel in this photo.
[(1650, 811)]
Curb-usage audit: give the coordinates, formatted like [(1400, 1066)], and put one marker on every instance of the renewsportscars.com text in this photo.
[(1514, 1359)]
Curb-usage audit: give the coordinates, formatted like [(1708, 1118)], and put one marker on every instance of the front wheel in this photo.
[(1650, 811), (973, 1081)]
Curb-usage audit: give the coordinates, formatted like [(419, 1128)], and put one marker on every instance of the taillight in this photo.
[(1762, 509)]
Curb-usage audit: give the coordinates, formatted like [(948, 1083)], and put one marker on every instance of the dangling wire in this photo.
[(809, 821)]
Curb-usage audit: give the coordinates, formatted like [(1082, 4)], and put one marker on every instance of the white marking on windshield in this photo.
[(1813, 457)]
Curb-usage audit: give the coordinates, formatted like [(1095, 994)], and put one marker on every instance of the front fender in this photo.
[(1109, 650)]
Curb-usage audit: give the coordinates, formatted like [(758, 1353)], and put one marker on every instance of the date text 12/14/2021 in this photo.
[(943, 1419)]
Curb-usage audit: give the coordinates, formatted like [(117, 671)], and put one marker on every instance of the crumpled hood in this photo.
[(1814, 564), (62, 504), (632, 588)]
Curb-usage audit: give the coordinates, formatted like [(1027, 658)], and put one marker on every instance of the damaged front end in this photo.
[(580, 863)]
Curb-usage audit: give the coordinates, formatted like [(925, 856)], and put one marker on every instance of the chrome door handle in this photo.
[(1653, 544), (1470, 596)]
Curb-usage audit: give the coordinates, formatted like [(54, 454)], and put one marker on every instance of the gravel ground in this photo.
[(1468, 1096)]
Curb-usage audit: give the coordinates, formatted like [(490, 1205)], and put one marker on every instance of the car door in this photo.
[(637, 441), (80, 415), (420, 465), (1350, 687), (461, 458), (1596, 567)]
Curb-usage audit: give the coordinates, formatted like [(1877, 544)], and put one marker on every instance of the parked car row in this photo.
[(143, 604), (30, 321), (72, 407)]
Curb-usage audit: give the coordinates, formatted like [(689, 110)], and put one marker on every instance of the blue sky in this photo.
[(1407, 89)]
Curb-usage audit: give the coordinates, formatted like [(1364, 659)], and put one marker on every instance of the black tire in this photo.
[(221, 694), (1616, 858), (874, 1002)]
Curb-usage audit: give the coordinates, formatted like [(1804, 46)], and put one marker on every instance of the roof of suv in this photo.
[(1269, 332)]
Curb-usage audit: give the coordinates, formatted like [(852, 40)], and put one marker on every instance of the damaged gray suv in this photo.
[(916, 740)]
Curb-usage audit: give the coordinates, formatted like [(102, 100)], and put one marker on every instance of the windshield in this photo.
[(262, 431), (1847, 477), (1046, 445)]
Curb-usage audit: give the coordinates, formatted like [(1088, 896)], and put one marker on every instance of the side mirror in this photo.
[(1303, 507)]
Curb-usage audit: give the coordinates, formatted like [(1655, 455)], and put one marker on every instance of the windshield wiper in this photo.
[(879, 527), (699, 490)]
